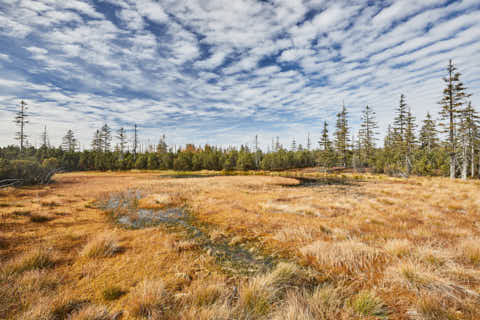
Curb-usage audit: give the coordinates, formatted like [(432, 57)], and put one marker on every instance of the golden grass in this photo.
[(368, 247), (102, 246), (38, 258), (349, 255), (150, 300)]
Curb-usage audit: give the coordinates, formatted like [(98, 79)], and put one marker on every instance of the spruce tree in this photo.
[(324, 141), (403, 134), (453, 99), (342, 136), (409, 140), (106, 136), (21, 121), (367, 133), (122, 139), (97, 143), (69, 143), (400, 123), (428, 134)]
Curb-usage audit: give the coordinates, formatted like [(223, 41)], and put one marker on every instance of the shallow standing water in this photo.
[(123, 210)]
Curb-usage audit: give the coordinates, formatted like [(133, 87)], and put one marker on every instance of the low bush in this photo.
[(26, 172)]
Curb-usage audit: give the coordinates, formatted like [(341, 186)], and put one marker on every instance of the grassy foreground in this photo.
[(338, 247)]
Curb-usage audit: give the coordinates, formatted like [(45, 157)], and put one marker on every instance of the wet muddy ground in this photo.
[(122, 208)]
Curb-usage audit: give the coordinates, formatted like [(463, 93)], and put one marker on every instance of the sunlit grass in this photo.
[(364, 247)]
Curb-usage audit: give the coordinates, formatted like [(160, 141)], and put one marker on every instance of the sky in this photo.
[(222, 71)]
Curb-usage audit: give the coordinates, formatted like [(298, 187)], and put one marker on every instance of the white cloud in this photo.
[(182, 66)]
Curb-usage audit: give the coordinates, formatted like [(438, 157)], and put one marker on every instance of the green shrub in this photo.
[(27, 172)]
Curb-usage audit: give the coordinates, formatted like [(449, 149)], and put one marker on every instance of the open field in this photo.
[(153, 245)]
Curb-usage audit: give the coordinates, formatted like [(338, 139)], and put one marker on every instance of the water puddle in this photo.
[(123, 209)]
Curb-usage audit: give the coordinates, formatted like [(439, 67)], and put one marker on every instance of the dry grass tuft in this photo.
[(150, 300), (470, 251), (367, 304), (202, 295), (431, 308), (415, 276), (112, 293), (91, 312), (102, 246), (398, 247), (286, 275), (55, 307), (298, 233), (347, 255), (255, 299), (326, 303), (39, 258), (38, 280), (258, 296)]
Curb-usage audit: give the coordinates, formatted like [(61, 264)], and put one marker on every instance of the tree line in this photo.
[(407, 147)]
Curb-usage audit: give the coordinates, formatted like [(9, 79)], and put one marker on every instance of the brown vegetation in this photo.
[(352, 247)]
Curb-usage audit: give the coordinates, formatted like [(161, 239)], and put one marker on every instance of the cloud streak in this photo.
[(221, 72)]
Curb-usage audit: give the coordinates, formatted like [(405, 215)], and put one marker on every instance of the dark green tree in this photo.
[(367, 134), (342, 136), (69, 142)]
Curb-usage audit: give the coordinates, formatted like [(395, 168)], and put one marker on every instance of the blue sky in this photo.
[(220, 71)]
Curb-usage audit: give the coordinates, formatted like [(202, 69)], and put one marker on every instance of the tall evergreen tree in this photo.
[(428, 134), (324, 141), (342, 136), (122, 139), (403, 134), (367, 133), (69, 142), (400, 122), (97, 143), (106, 134), (21, 121), (453, 99), (409, 140)]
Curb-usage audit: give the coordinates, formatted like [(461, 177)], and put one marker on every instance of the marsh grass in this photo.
[(366, 303), (91, 312), (112, 293), (35, 259), (377, 247), (60, 307), (150, 300), (102, 246), (348, 255)]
